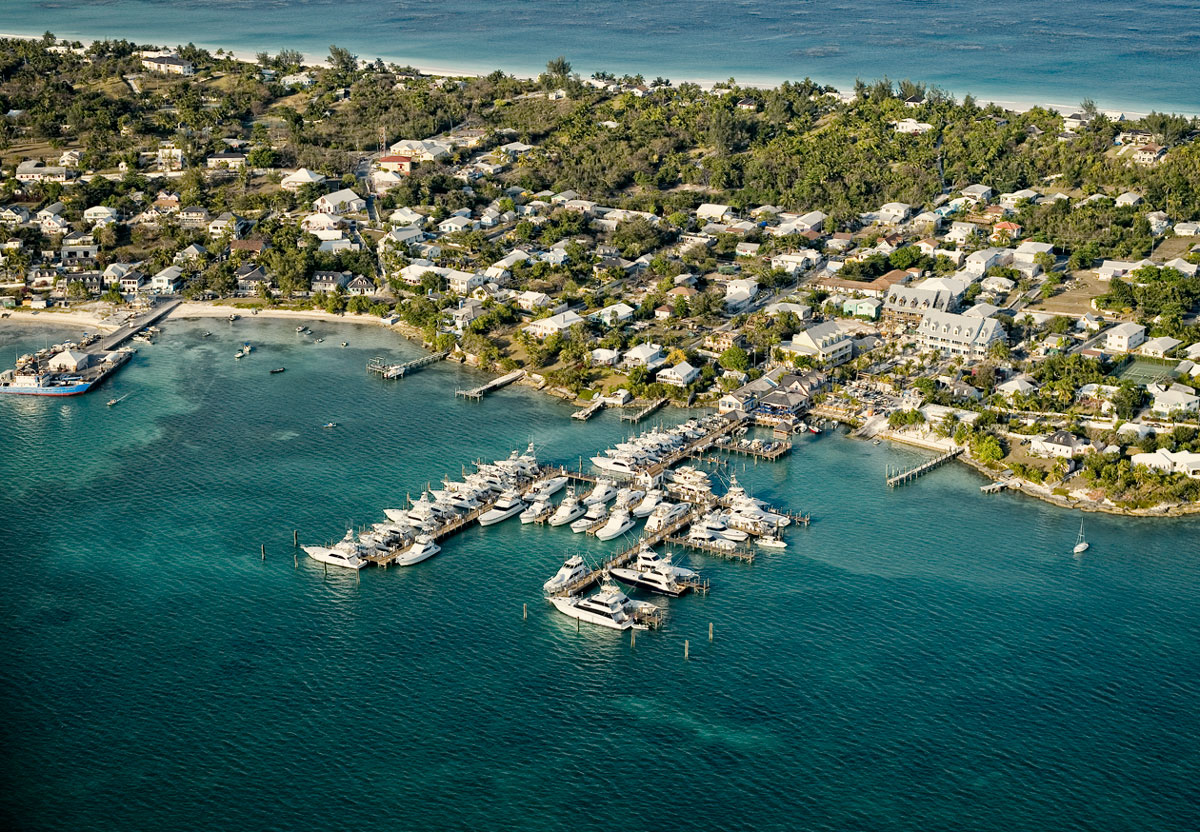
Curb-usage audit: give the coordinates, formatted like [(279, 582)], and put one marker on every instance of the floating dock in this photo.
[(477, 393), (380, 367), (902, 477)]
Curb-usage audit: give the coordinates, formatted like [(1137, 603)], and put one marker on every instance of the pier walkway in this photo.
[(644, 412), (133, 327), (591, 410), (477, 393), (625, 556), (379, 366), (902, 477)]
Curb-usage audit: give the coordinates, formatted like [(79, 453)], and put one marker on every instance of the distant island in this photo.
[(1018, 285)]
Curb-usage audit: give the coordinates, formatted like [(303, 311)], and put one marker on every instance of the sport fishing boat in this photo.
[(510, 503), (346, 553), (609, 607), (602, 493), (539, 508), (422, 548), (595, 513), (619, 522), (569, 509), (665, 514), (573, 569), (645, 507)]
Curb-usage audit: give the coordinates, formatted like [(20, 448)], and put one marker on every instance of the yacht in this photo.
[(656, 578), (608, 608), (648, 503), (770, 541), (552, 486), (426, 510), (602, 493), (715, 523), (422, 548), (665, 514), (626, 497), (568, 510), (618, 464), (619, 522), (346, 553), (1081, 545), (648, 558), (538, 509), (573, 569), (701, 535), (595, 513), (461, 501), (510, 503)]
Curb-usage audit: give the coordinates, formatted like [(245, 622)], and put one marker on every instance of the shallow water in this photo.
[(926, 658)]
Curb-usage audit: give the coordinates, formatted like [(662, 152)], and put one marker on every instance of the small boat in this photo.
[(876, 442), (239, 354), (246, 348), (319, 341), (233, 318), (1081, 545), (115, 401), (770, 541), (813, 429), (328, 425), (301, 328), (206, 334), (345, 343), (278, 370)]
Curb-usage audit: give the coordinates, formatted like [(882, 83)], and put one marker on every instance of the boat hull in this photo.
[(495, 516), (631, 577), (607, 533), (65, 390), (567, 607), (424, 553)]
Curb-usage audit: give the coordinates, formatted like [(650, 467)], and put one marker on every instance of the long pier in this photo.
[(120, 336), (644, 412), (625, 556), (479, 392), (902, 477), (379, 366), (769, 451)]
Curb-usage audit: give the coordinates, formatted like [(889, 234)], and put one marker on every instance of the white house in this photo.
[(793, 262), (298, 179), (649, 356), (977, 193), (962, 232), (406, 216), (826, 342), (344, 201), (554, 324), (738, 293), (1061, 444), (169, 65), (1173, 400), (980, 261), (452, 224), (1159, 347), (894, 213), (532, 301), (167, 281), (1124, 337), (1178, 462), (613, 314), (681, 375), (711, 212)]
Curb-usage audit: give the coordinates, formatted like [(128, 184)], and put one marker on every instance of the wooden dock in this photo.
[(742, 553), (380, 367), (591, 410), (133, 327), (902, 477), (747, 449), (644, 412), (477, 393), (625, 556)]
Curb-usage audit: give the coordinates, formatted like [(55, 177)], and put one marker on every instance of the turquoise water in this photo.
[(1135, 56), (922, 659)]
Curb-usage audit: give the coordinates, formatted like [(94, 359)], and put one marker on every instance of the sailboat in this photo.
[(1081, 545)]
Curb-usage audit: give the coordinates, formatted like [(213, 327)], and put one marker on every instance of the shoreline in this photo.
[(1018, 104)]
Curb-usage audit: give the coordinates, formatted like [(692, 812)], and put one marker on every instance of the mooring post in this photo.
[(685, 649)]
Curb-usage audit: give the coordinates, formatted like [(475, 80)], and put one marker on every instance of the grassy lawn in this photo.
[(1075, 301)]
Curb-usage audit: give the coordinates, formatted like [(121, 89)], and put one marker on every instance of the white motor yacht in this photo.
[(569, 509), (645, 507), (422, 548), (594, 514), (654, 579), (510, 503), (715, 523), (538, 509), (626, 497), (665, 514), (572, 570), (552, 486), (602, 493), (346, 553), (617, 464), (619, 522), (607, 608), (701, 535), (770, 541)]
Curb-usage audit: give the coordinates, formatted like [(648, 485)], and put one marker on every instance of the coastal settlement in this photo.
[(1018, 286)]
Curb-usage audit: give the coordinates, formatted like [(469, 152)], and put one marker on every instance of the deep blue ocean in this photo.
[(1133, 56), (924, 659)]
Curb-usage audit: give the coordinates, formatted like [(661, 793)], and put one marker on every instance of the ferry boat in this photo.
[(570, 509), (573, 569), (42, 384), (607, 608), (422, 548), (619, 522), (510, 503)]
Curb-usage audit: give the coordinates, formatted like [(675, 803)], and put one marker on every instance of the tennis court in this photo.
[(1144, 371)]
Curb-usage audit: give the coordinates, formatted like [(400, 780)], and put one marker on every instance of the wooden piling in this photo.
[(710, 631), (264, 551), (524, 612), (295, 537), (632, 637), (685, 649)]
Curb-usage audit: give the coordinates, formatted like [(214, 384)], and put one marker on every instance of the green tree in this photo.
[(735, 358)]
